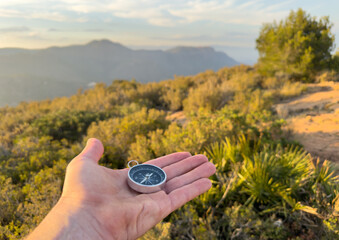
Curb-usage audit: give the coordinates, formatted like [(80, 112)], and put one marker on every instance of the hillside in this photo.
[(266, 186), (27, 75), (313, 120)]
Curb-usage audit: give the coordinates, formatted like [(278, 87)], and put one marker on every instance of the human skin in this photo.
[(97, 203)]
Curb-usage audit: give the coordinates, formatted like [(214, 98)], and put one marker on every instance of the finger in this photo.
[(184, 166), (169, 159), (186, 193), (203, 171), (92, 151)]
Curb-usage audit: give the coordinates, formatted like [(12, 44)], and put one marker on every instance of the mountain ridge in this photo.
[(37, 74)]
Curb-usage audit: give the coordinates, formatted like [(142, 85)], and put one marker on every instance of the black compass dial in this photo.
[(148, 175)]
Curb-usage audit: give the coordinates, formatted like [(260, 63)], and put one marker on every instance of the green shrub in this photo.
[(175, 91), (262, 191), (209, 96), (117, 134), (201, 130), (299, 46), (264, 188), (335, 62), (71, 125)]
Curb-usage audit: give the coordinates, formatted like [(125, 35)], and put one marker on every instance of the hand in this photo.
[(97, 202)]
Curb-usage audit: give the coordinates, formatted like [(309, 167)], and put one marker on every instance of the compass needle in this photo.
[(145, 179)]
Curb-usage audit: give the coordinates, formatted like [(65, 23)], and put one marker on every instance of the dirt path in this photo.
[(314, 120)]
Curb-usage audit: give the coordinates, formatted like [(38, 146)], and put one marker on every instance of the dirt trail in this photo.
[(314, 120)]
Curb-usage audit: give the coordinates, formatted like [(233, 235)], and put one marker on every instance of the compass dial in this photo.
[(147, 174), (146, 178)]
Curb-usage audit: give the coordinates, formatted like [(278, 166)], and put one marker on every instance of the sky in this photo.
[(230, 26)]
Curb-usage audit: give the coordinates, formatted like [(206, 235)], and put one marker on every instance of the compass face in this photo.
[(147, 175)]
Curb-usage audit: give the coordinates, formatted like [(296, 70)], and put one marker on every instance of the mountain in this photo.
[(59, 71)]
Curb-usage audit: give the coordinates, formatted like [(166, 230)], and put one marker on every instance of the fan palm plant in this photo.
[(265, 185)]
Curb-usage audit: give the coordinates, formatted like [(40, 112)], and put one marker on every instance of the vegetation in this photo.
[(300, 46), (265, 186), (335, 62)]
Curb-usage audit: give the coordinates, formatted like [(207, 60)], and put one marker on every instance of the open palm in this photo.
[(117, 211)]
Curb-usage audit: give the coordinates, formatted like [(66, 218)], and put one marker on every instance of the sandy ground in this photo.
[(313, 120)]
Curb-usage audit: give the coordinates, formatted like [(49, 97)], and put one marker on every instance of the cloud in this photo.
[(236, 39), (34, 34), (77, 30), (52, 16), (82, 20), (94, 30), (250, 13), (14, 29), (175, 12), (54, 30), (155, 12), (9, 13)]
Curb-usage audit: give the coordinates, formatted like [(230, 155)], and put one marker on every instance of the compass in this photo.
[(146, 178)]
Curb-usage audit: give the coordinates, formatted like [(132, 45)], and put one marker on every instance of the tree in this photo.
[(335, 61), (299, 46)]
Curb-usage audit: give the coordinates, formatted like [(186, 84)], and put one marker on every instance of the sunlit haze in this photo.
[(230, 26)]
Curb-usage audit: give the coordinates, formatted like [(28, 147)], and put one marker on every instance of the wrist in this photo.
[(69, 220)]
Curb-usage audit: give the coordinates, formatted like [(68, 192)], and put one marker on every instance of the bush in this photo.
[(335, 62), (203, 129), (209, 96), (262, 191), (263, 188), (175, 91), (149, 95), (71, 125), (117, 134), (32, 202), (299, 46)]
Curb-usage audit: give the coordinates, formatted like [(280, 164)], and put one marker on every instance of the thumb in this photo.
[(93, 150)]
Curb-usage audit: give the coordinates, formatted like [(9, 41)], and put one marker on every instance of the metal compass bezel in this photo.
[(143, 188)]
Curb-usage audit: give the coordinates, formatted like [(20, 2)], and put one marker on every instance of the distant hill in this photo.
[(59, 71)]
